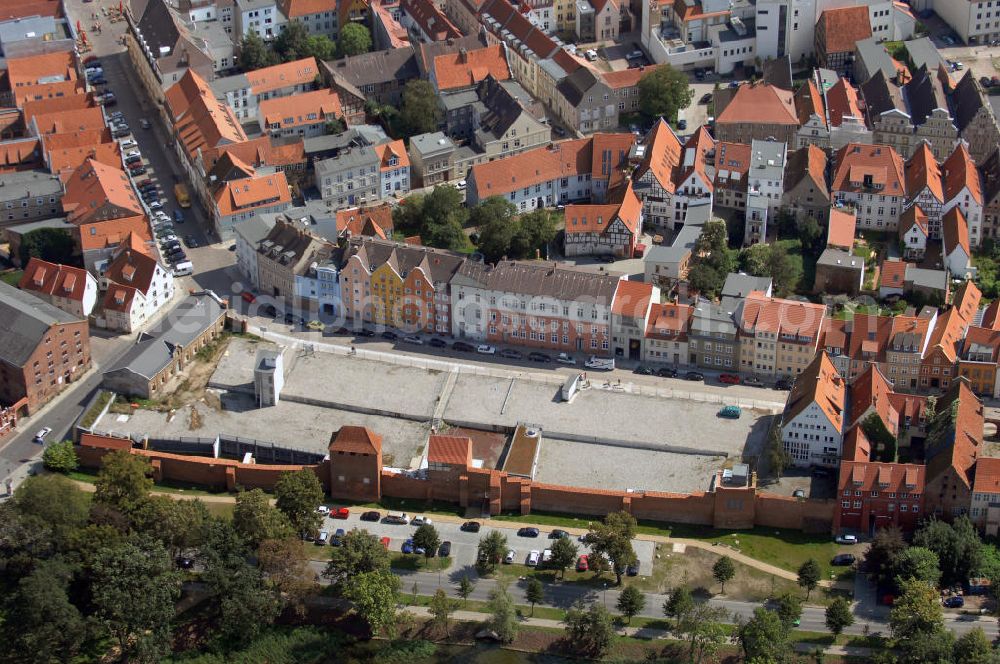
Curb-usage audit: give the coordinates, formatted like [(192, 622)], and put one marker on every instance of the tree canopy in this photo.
[(298, 495), (50, 244), (419, 112), (256, 520), (663, 92), (437, 217), (354, 39), (613, 538), (359, 552), (957, 545), (590, 631)]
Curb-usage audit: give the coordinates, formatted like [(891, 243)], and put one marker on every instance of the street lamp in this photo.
[(605, 594)]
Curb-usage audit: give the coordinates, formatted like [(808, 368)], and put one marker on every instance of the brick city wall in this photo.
[(723, 508)]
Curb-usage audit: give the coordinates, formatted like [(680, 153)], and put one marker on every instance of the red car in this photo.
[(729, 379), (583, 564), (341, 513), (385, 542)]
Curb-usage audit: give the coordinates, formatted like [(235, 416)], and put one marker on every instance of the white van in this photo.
[(533, 558), (322, 538), (600, 363), (546, 556), (182, 269)]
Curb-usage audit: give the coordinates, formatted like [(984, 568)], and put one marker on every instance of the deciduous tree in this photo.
[(354, 39), (534, 592), (613, 538), (722, 571), (763, 638), (254, 53), (60, 457), (886, 545), (133, 589), (589, 631), (789, 609), (702, 627), (441, 607), (298, 495), (256, 519), (678, 604), (465, 588), (631, 602), (564, 553), (839, 616), (809, 576), (51, 503), (42, 625), (359, 552), (974, 648), (957, 546), (375, 595), (123, 481), (426, 537), (419, 113), (286, 569), (916, 611), (916, 563), (663, 92), (503, 616), (492, 549)]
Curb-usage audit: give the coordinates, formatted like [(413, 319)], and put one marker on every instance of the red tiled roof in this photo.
[(912, 216), (987, 475), (132, 268), (432, 21), (842, 101), (590, 218), (881, 163), (111, 232), (632, 299), (200, 120), (669, 321), (922, 171), (35, 70), (871, 390), (782, 317), (840, 231), (663, 155), (856, 446), (356, 440), (54, 279), (844, 27), (955, 231), (73, 120), (947, 335), (285, 75), (893, 273), (295, 110), (98, 189), (809, 102), (372, 221), (450, 450), (466, 68), (627, 78), (689, 12), (387, 151), (959, 171), (760, 103), (249, 193), (819, 383), (887, 477), (19, 154), (966, 300), (960, 446), (120, 298)]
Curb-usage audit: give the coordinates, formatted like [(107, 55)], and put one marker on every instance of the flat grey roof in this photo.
[(739, 284), (154, 348), (919, 276), (24, 320), (352, 158), (221, 86), (25, 184), (841, 258), (432, 142), (21, 229)]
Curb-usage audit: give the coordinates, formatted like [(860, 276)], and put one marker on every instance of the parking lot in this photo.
[(464, 544)]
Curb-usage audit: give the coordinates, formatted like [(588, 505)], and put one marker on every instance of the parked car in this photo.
[(753, 381), (178, 216), (128, 143), (798, 493), (371, 515), (705, 98), (730, 412), (190, 241), (341, 513), (783, 384), (407, 546), (179, 257), (583, 563), (565, 358), (843, 560), (954, 602), (137, 170), (535, 356), (390, 335), (413, 339), (471, 526), (509, 558), (682, 124), (729, 379), (437, 343), (445, 550), (533, 558), (420, 520), (511, 354), (846, 539), (144, 123), (666, 372), (558, 534), (486, 349), (463, 347), (42, 433), (694, 375), (528, 532), (643, 370), (338, 537), (322, 538), (632, 570)]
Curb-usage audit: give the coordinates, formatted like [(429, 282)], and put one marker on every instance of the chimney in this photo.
[(463, 56)]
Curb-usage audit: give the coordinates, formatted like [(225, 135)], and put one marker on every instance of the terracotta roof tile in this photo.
[(912, 216), (960, 172), (686, 11), (299, 8), (40, 69), (842, 102), (20, 154), (819, 383), (987, 475), (883, 165), (627, 78), (980, 340), (844, 27), (287, 74), (250, 193), (200, 120), (893, 273), (356, 440), (59, 122), (809, 102), (371, 221), (966, 300), (597, 218), (960, 440), (870, 391), (888, 477), (760, 104), (120, 298), (54, 279), (132, 268), (96, 192), (450, 450), (295, 110), (663, 155), (922, 171), (632, 299), (955, 231), (467, 68), (111, 232), (386, 151), (669, 321), (432, 21), (802, 320), (840, 229)]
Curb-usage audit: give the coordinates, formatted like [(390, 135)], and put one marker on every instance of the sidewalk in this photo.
[(636, 632)]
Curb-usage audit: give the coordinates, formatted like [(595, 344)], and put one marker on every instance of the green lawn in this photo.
[(804, 266), (412, 562), (13, 277), (90, 476), (409, 506)]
